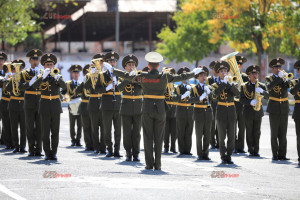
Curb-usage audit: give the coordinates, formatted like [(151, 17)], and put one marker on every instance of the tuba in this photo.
[(16, 78), (234, 69), (258, 97)]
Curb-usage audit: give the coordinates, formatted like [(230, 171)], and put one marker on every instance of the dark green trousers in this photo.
[(50, 132), (153, 132), (87, 130), (110, 117), (184, 131), (214, 130), (202, 128), (96, 122), (17, 119), (240, 134), (253, 134), (278, 125), (33, 130), (6, 131), (170, 133), (131, 133), (73, 119), (297, 122), (226, 129)]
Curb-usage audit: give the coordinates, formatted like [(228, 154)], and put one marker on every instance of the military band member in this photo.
[(214, 143), (110, 105), (278, 108), (2, 60), (225, 92), (184, 115), (170, 129), (5, 98), (50, 108), (16, 109), (131, 110), (84, 113), (295, 90), (31, 100), (92, 82), (240, 123), (203, 115), (74, 117), (252, 117), (154, 85)]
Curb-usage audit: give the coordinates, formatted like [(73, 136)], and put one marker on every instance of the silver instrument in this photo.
[(74, 106)]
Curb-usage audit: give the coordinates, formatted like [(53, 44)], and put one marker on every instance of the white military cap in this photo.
[(153, 57)]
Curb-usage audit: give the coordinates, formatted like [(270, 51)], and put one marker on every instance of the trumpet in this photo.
[(287, 75), (54, 71), (231, 79)]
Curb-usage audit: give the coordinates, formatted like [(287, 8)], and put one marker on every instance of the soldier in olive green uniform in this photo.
[(74, 117), (131, 110), (3, 57), (295, 90), (94, 109), (31, 100), (203, 115), (184, 115), (170, 129), (110, 105), (84, 113), (16, 110), (50, 104), (154, 85), (214, 143), (5, 98), (240, 123), (253, 117), (225, 92), (278, 108)]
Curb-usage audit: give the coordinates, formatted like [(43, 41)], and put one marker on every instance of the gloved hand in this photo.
[(114, 79), (57, 76), (108, 66), (46, 73), (203, 96), (253, 102), (109, 87), (206, 89), (37, 71), (186, 94), (225, 80), (197, 70), (132, 73), (259, 89), (188, 87), (280, 74), (7, 75), (32, 81)]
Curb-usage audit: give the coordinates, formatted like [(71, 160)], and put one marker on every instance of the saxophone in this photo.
[(258, 98)]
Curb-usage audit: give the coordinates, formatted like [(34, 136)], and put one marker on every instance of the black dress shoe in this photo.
[(224, 162), (23, 150), (88, 149), (96, 151), (78, 144), (31, 153), (241, 151), (212, 146), (206, 158), (47, 157), (229, 161), (166, 150), (16, 150), (173, 150), (256, 154), (38, 153), (283, 158), (117, 154), (181, 154), (72, 144), (217, 146), (157, 168), (199, 158), (235, 151), (53, 157), (149, 167), (136, 159), (102, 152), (275, 158), (7, 147), (128, 158), (109, 154), (189, 154)]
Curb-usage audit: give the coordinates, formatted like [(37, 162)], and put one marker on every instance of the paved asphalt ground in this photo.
[(89, 176)]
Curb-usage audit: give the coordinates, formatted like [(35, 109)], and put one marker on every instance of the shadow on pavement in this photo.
[(133, 164), (45, 162), (153, 172), (234, 166), (31, 158)]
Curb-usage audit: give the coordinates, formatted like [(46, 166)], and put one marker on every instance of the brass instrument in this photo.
[(231, 79), (54, 71), (98, 63), (93, 76), (287, 75), (234, 69), (258, 97), (16, 78)]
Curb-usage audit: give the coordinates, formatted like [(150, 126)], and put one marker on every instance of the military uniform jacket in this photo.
[(278, 88), (201, 113), (94, 102), (225, 93), (30, 100), (182, 111), (16, 102), (49, 87), (239, 105), (171, 113), (295, 90), (209, 81), (108, 102), (5, 98), (154, 83), (247, 94), (81, 91), (130, 89)]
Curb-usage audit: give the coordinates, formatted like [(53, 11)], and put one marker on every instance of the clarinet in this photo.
[(114, 87)]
